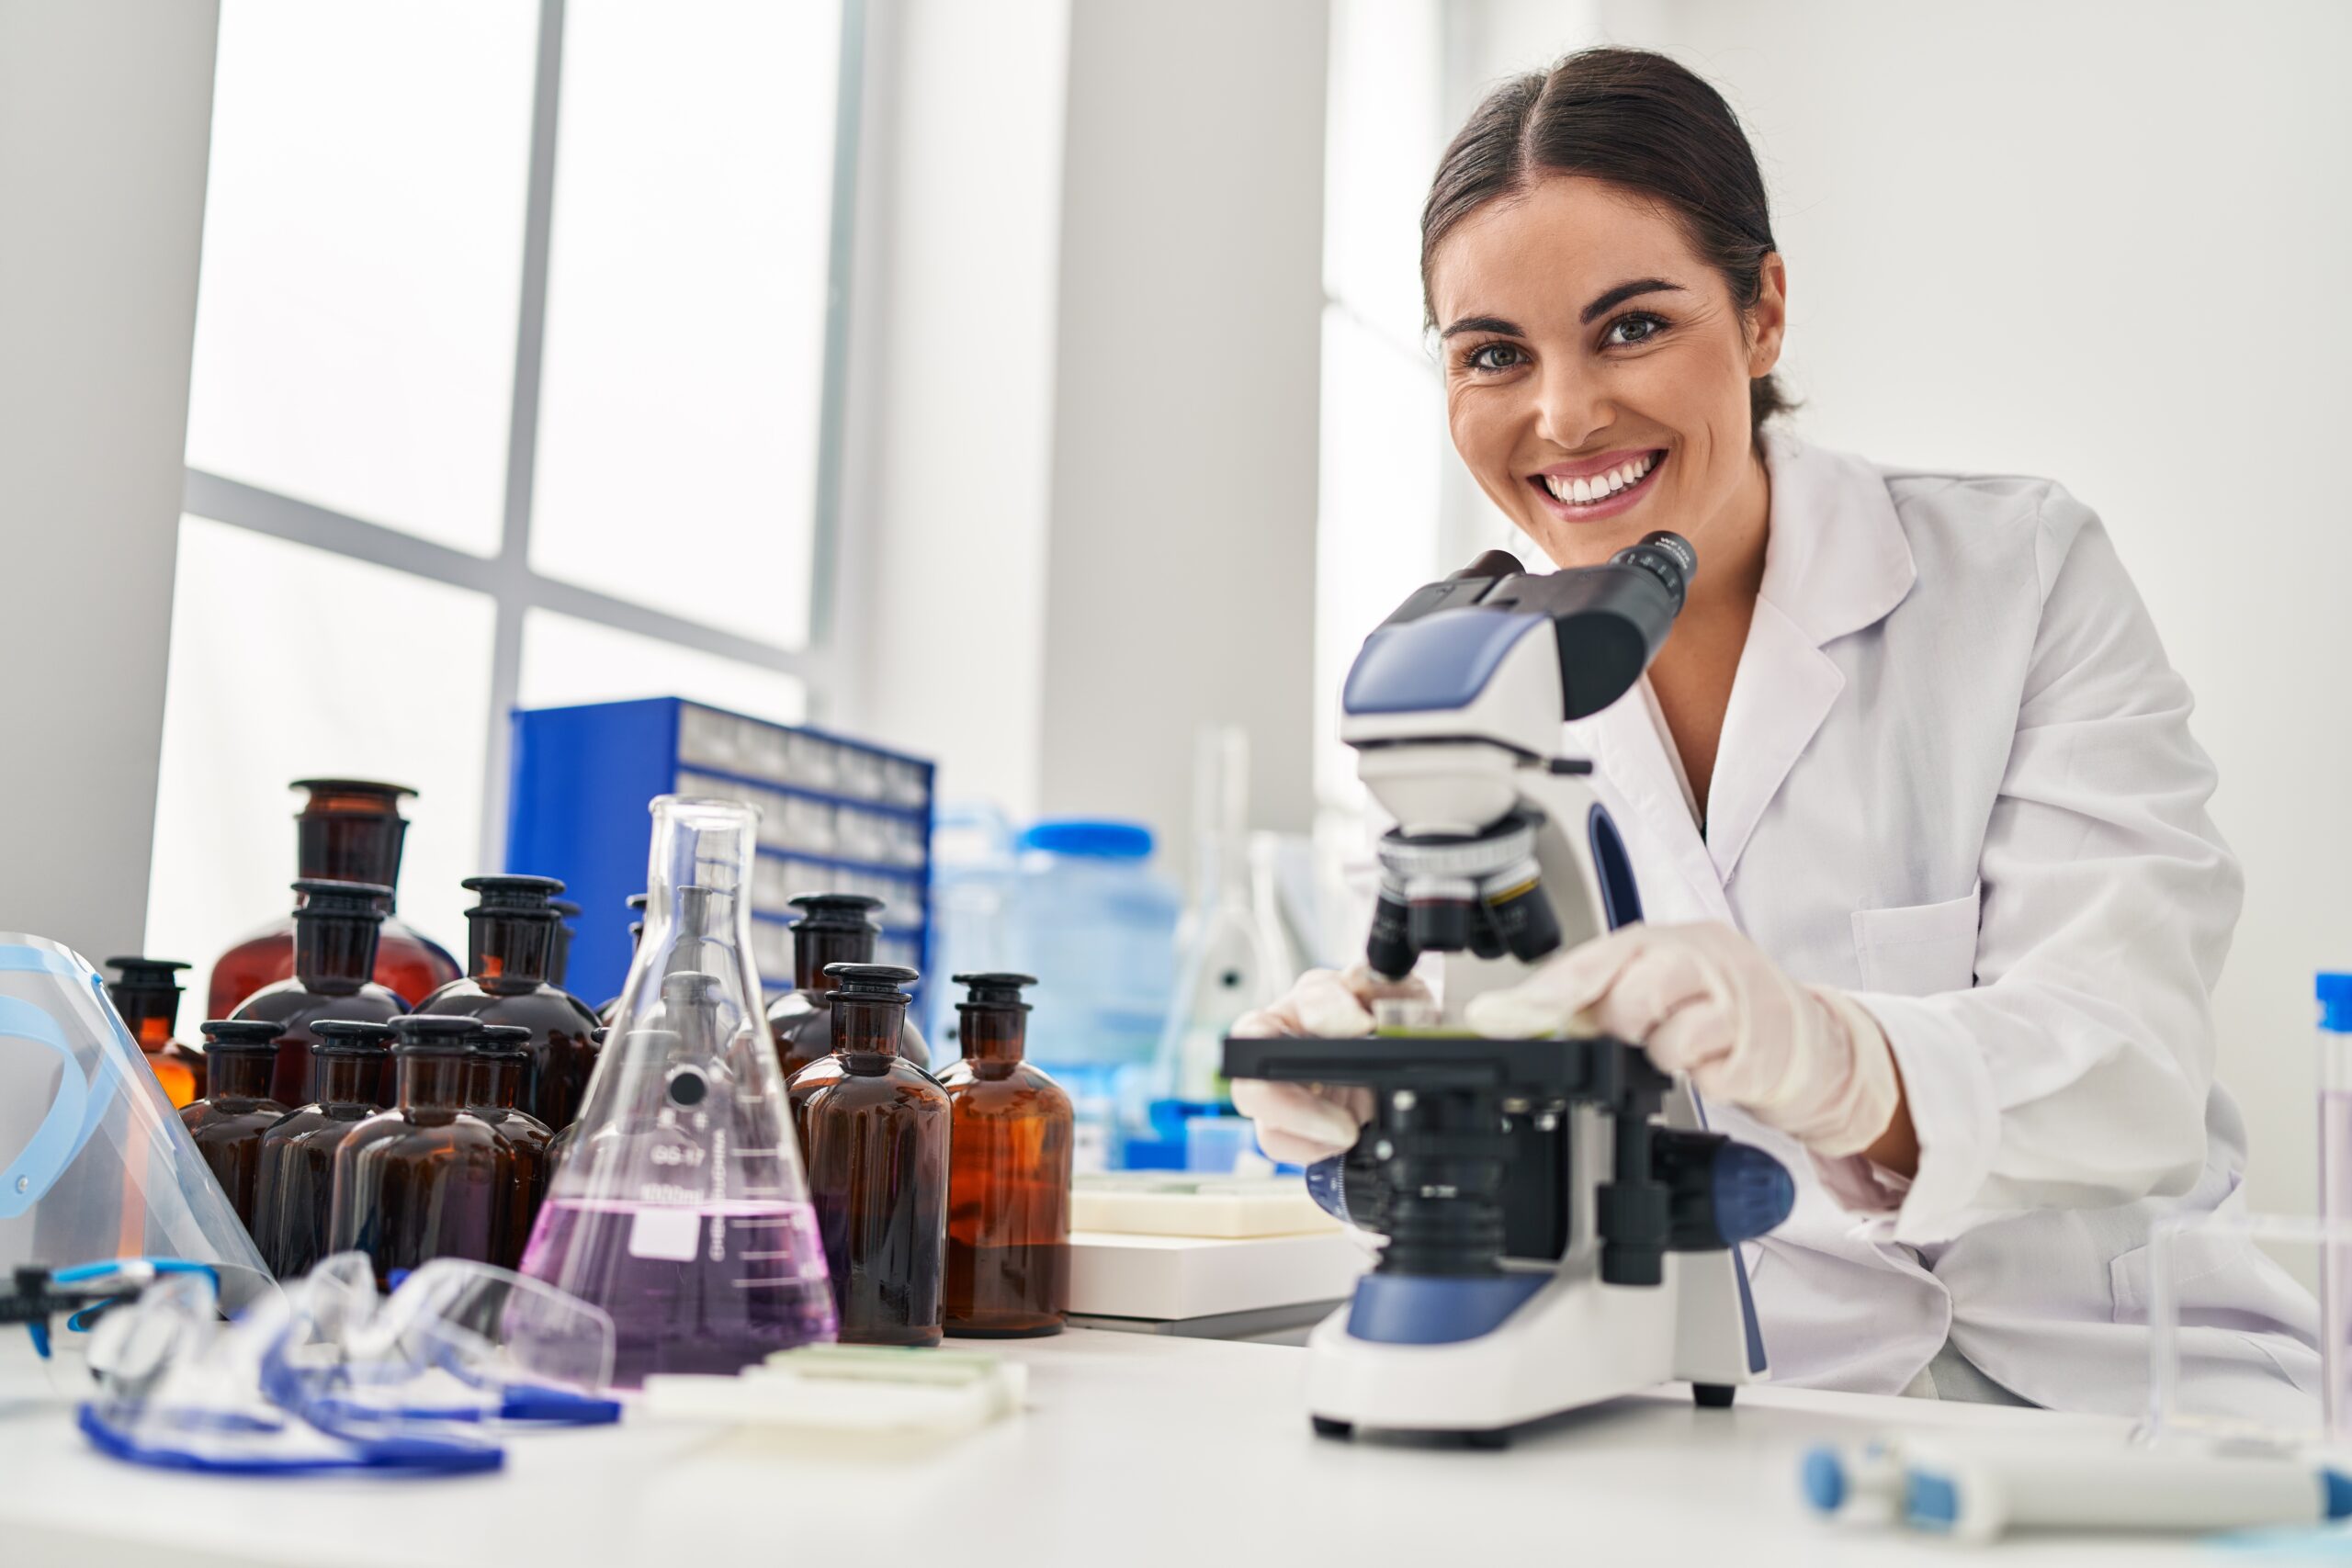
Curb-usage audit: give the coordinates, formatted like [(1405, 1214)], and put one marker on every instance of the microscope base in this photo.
[(1575, 1343)]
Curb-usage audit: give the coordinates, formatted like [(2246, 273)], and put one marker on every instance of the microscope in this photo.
[(1561, 1225)]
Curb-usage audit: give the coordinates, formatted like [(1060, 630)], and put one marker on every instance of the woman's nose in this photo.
[(1568, 406)]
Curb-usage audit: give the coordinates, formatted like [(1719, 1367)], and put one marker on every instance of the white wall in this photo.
[(951, 384), (1181, 569), (2105, 244), (1079, 510), (105, 118)]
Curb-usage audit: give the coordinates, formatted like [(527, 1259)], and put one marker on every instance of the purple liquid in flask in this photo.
[(691, 1289), (681, 1208)]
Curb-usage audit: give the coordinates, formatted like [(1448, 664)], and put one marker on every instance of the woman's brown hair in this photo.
[(1635, 119)]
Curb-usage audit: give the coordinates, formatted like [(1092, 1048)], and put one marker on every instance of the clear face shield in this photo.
[(93, 1162)]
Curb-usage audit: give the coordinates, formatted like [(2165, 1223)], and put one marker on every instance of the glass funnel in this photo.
[(680, 1206)]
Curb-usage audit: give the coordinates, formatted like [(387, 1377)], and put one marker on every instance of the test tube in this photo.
[(2334, 995)]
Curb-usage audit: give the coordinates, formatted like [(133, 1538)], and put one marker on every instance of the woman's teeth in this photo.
[(1599, 487)]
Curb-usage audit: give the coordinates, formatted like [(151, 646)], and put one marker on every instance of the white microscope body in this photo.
[(1501, 850)]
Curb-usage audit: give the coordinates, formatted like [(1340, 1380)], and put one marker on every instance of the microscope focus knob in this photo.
[(1722, 1192)]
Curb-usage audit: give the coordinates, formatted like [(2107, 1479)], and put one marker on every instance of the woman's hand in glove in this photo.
[(1704, 999), (1300, 1123)]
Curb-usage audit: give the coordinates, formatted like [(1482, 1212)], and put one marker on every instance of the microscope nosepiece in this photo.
[(1441, 925)]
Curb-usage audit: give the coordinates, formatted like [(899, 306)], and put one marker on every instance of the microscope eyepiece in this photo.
[(1666, 557)]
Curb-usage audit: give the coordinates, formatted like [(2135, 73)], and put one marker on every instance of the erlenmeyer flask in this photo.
[(680, 1207), (1229, 962)]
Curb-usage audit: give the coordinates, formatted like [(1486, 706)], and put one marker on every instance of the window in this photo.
[(516, 382)]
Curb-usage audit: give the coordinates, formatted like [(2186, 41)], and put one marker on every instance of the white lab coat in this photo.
[(1956, 779)]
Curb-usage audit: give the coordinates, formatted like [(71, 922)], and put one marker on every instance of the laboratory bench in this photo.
[(1133, 1448)]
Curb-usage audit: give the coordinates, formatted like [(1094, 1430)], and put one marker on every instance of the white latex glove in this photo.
[(1300, 1123), (1704, 999)]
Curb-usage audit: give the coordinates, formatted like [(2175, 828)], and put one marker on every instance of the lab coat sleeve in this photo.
[(2075, 1073)]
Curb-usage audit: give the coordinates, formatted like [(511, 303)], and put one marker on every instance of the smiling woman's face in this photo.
[(1597, 370)]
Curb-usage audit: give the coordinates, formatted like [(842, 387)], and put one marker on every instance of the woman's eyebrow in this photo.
[(1625, 292), (1482, 324)]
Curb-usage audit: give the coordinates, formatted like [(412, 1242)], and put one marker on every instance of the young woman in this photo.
[(1936, 909)]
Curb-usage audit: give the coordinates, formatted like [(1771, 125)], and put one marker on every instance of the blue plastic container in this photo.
[(1091, 919)]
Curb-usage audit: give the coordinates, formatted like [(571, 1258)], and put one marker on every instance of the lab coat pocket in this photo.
[(1919, 949), (2211, 1272)]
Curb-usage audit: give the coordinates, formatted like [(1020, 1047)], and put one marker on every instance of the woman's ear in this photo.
[(1768, 318)]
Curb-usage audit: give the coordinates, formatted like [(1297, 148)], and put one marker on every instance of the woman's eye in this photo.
[(1639, 327), (1495, 356)]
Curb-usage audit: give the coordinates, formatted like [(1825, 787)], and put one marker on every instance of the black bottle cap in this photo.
[(513, 895), (872, 982), (564, 907), (240, 1034), (442, 1032), (393, 793), (835, 912), (349, 1037), (995, 991), (363, 901), (146, 974), (503, 1040)]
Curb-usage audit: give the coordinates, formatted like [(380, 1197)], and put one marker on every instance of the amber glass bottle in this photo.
[(146, 991), (297, 1150), (511, 935), (335, 927), (560, 961), (427, 1178), (349, 830), (874, 1130), (833, 928), (636, 939), (227, 1123), (1008, 1184), (501, 1061), (565, 1135)]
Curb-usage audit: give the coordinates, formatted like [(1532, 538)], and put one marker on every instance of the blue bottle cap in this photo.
[(2334, 993), (1082, 836)]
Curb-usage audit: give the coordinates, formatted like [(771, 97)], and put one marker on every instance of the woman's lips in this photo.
[(1623, 497)]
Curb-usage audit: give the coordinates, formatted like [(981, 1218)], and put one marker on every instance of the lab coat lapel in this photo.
[(1629, 740), (1836, 562)]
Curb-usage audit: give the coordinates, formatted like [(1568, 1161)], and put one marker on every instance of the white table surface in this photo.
[(1134, 1448)]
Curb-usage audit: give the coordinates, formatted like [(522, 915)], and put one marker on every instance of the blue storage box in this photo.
[(836, 816)]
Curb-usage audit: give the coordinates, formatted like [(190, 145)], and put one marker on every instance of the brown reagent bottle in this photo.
[(297, 1175), (428, 1178), (500, 1065), (833, 928), (635, 941), (512, 937), (570, 1132), (336, 927), (227, 1123), (560, 961), (1009, 1173), (146, 992), (874, 1131), (348, 830)]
